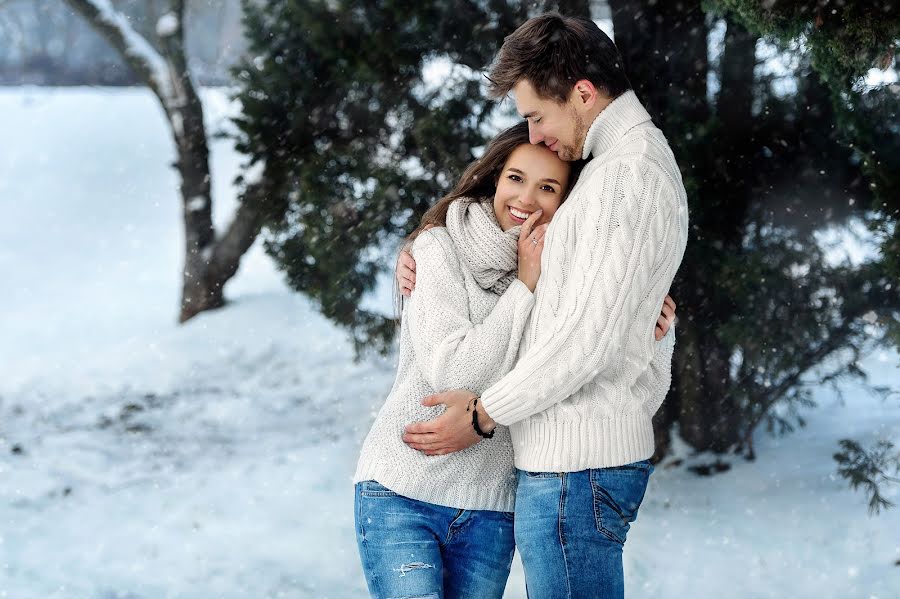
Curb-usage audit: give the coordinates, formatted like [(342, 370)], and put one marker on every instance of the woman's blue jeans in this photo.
[(571, 528), (413, 549)]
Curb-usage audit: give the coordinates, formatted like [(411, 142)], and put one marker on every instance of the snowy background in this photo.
[(143, 459)]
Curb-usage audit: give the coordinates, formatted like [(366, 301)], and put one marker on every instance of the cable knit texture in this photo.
[(454, 334), (590, 376)]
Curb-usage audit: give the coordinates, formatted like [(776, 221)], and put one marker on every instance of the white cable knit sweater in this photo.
[(587, 381)]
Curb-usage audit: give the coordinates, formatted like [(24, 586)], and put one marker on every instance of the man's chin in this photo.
[(567, 155)]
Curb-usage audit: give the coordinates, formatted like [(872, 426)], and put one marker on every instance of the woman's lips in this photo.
[(515, 218)]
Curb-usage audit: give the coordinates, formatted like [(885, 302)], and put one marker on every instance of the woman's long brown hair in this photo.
[(477, 183)]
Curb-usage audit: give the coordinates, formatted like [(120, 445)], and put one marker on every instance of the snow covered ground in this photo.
[(142, 459)]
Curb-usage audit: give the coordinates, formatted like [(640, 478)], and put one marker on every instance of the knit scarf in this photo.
[(491, 253)]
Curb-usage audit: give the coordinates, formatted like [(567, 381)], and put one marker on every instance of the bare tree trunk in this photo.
[(709, 416), (209, 262), (664, 42)]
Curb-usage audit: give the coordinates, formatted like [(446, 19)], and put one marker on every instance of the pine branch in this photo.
[(869, 469)]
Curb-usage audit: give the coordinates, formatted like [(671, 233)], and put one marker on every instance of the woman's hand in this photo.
[(531, 244)]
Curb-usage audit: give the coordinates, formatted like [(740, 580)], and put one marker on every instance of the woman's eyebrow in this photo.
[(548, 180)]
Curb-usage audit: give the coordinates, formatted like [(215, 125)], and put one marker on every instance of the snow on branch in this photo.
[(167, 25), (139, 53)]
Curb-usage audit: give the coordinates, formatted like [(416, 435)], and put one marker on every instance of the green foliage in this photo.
[(844, 39), (354, 138), (357, 142), (869, 469)]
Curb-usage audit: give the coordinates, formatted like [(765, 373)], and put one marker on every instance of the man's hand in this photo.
[(406, 270), (666, 319), (452, 430), (406, 273)]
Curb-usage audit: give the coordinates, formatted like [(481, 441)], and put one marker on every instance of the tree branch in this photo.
[(809, 359), (240, 235), (140, 55)]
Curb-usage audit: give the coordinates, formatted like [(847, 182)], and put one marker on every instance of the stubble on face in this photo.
[(569, 152)]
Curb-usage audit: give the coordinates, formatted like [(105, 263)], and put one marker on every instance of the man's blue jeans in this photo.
[(413, 549), (571, 528)]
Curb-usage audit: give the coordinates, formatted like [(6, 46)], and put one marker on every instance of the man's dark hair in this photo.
[(553, 52)]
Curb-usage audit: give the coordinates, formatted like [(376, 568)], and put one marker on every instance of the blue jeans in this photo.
[(414, 549), (571, 528)]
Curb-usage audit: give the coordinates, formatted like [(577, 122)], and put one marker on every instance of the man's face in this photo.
[(561, 127)]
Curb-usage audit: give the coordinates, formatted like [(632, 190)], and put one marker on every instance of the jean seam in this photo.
[(376, 582), (598, 513), (450, 532), (561, 522), (531, 474), (386, 493)]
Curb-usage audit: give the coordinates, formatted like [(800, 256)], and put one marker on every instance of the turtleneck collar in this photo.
[(622, 114)]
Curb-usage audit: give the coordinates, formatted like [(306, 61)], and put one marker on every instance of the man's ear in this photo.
[(584, 94)]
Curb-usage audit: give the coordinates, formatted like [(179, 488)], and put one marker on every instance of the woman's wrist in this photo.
[(531, 285)]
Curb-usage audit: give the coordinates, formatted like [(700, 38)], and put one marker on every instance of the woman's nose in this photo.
[(528, 198)]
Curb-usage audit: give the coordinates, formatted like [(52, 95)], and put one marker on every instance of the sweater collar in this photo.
[(622, 114)]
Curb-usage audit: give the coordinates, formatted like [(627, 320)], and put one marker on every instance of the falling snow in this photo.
[(142, 459)]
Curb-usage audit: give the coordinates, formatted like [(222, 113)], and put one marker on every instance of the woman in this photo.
[(442, 526)]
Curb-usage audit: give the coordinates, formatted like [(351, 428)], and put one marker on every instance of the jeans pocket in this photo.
[(618, 493), (372, 488)]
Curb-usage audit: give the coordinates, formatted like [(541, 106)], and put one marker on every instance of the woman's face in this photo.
[(533, 177)]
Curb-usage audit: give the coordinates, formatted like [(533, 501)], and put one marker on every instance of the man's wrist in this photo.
[(485, 422)]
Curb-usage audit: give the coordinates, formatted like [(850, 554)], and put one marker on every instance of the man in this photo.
[(578, 403)]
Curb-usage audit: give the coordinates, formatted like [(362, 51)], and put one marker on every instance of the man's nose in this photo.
[(534, 136)]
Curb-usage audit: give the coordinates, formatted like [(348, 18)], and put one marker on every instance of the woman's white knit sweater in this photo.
[(453, 335), (456, 335), (580, 396)]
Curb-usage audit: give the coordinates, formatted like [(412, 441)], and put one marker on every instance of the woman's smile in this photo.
[(519, 216)]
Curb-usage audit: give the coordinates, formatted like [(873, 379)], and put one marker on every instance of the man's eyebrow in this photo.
[(528, 115), (552, 181)]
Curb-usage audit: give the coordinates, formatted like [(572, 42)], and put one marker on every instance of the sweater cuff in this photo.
[(518, 287), (501, 405)]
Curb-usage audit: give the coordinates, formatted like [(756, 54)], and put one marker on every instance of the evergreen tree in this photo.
[(355, 137), (843, 41)]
